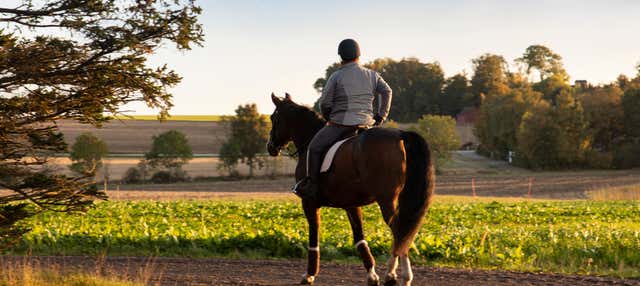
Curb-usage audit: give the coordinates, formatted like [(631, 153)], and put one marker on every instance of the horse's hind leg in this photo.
[(355, 218), (388, 209), (312, 213), (406, 275), (391, 278)]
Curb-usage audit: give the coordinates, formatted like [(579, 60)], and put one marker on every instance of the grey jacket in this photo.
[(349, 94)]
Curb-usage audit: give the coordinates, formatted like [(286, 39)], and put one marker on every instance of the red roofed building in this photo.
[(465, 122)]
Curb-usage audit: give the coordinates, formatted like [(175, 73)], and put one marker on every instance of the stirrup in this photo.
[(298, 184)]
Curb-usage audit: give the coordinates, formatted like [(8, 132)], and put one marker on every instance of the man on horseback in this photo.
[(346, 104)]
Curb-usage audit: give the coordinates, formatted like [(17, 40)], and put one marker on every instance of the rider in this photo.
[(346, 104)]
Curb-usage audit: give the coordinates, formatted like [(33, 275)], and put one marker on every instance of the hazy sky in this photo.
[(255, 47)]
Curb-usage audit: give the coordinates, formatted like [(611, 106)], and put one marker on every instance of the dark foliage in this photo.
[(95, 64)]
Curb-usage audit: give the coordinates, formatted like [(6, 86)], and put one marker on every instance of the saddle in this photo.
[(331, 152)]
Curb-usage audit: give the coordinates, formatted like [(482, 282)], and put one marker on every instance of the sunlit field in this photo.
[(586, 237)]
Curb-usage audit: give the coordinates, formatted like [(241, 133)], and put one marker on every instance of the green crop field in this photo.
[(586, 237)]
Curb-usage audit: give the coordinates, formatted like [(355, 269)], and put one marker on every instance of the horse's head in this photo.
[(281, 131)]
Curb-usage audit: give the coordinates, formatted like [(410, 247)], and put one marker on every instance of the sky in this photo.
[(253, 48)]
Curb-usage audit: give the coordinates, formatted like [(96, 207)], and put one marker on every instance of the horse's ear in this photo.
[(275, 99), (287, 96)]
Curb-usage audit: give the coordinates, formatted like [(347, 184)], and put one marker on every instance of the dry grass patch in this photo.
[(29, 271), (615, 193)]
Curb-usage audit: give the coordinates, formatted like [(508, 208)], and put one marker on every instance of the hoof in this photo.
[(307, 280), (390, 280), (373, 280)]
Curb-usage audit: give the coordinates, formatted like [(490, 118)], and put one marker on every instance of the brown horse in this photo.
[(388, 166)]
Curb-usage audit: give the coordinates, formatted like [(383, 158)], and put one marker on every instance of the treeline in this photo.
[(547, 123), (531, 113), (418, 88)]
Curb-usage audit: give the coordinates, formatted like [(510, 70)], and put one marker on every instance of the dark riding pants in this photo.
[(320, 143)]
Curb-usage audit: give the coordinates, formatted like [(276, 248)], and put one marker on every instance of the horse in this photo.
[(390, 167)]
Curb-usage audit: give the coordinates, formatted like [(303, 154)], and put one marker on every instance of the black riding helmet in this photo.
[(349, 50)]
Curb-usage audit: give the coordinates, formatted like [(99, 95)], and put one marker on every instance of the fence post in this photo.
[(530, 186), (473, 186)]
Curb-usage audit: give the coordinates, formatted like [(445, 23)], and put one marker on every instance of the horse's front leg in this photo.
[(312, 212), (355, 218)]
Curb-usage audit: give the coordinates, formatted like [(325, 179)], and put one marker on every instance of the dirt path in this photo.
[(185, 271), (559, 185)]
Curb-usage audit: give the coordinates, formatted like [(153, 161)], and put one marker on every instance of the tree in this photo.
[(249, 135), (96, 64), (499, 119), (170, 150), (541, 59), (489, 77), (87, 154), (440, 132), (631, 104), (229, 156), (456, 95), (554, 137), (537, 138), (416, 87), (548, 65), (604, 115)]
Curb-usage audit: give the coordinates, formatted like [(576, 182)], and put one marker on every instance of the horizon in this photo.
[(254, 48)]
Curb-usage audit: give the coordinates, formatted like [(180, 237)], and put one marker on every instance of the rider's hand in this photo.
[(379, 120)]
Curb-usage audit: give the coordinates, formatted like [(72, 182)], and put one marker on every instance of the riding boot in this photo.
[(307, 188)]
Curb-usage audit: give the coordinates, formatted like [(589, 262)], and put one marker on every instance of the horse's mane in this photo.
[(303, 113)]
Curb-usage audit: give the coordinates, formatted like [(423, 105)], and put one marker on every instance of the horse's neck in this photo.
[(302, 137)]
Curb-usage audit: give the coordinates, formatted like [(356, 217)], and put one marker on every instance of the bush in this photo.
[(132, 176), (440, 133), (167, 177)]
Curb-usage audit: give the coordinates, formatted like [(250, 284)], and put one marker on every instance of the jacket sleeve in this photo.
[(328, 92), (384, 96)]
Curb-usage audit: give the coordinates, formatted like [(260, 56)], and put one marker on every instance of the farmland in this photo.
[(217, 225), (571, 237), (134, 136)]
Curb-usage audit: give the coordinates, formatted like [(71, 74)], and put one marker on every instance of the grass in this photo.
[(26, 273), (586, 237), (631, 192)]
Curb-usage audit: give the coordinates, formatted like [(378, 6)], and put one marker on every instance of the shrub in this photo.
[(167, 177), (440, 133), (132, 176)]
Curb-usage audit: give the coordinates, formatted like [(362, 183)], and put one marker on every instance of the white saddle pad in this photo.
[(328, 158)]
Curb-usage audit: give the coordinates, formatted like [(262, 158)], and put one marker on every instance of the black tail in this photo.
[(415, 197)]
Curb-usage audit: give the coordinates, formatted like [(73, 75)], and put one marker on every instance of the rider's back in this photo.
[(349, 95)]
